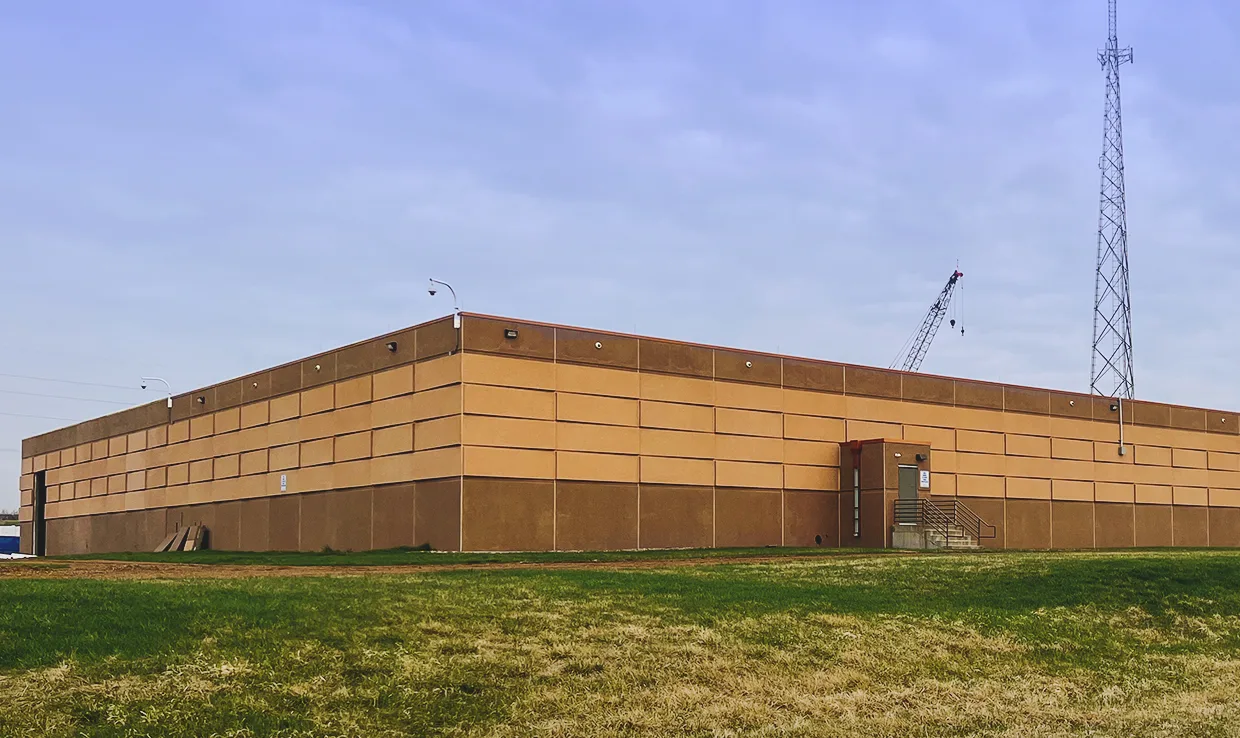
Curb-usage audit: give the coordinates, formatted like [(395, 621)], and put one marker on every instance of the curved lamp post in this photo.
[(167, 386), (456, 307)]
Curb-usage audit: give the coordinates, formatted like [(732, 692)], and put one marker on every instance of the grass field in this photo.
[(1142, 643), (418, 557)]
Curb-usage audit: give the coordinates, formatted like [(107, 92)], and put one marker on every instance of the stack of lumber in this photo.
[(189, 538)]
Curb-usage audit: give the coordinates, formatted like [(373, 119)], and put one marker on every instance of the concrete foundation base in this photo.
[(908, 536)]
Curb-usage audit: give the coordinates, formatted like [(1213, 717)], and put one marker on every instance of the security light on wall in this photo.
[(391, 346)]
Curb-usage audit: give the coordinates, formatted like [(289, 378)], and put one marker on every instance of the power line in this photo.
[(62, 397), (40, 417), (71, 381)]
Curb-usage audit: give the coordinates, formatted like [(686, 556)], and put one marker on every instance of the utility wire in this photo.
[(62, 397), (70, 381), (40, 417)]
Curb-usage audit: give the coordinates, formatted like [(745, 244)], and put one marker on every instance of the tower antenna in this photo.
[(1111, 365)]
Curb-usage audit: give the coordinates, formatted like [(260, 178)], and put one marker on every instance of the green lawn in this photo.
[(419, 557), (1007, 644)]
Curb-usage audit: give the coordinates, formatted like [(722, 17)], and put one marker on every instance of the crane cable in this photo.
[(904, 349), (914, 349), (957, 307)]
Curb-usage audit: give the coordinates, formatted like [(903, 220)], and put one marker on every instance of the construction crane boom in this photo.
[(914, 351)]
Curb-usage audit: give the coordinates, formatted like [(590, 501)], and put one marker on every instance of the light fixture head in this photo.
[(391, 346), (1114, 406)]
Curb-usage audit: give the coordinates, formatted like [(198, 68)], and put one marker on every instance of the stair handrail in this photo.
[(934, 518), (964, 517), (942, 516), (981, 528), (908, 512), (961, 516)]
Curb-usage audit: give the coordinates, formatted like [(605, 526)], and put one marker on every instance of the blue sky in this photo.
[(199, 190)]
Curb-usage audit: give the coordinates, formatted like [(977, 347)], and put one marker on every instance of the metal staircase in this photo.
[(938, 524)]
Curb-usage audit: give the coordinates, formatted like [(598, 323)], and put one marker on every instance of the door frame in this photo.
[(38, 521)]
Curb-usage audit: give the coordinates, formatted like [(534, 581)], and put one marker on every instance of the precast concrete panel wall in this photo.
[(354, 449), (523, 436)]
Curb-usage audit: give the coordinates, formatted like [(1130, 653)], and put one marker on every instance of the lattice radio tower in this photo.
[(1111, 367)]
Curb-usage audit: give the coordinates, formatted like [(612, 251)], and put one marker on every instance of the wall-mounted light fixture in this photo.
[(200, 400), (922, 457), (598, 344), (510, 333), (391, 346), (749, 365)]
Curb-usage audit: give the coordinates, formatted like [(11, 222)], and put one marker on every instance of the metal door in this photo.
[(908, 482)]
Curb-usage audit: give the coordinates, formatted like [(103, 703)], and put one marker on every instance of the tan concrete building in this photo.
[(511, 435)]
